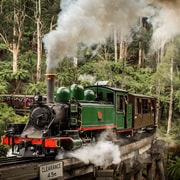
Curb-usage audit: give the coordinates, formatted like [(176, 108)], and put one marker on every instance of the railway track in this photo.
[(4, 162)]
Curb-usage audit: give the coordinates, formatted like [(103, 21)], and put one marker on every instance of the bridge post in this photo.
[(139, 160), (151, 171), (160, 169), (157, 153), (138, 176)]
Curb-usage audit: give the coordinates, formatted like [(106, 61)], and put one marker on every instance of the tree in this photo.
[(115, 46), (39, 38), (171, 54), (13, 21), (171, 95)]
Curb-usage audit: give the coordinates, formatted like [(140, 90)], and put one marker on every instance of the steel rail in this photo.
[(19, 160)]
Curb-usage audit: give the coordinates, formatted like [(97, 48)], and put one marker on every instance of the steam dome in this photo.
[(89, 95), (77, 92), (62, 94)]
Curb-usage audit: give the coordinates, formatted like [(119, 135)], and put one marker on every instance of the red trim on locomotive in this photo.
[(48, 142), (17, 140), (55, 142)]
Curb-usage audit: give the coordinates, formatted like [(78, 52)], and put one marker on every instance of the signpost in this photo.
[(51, 171)]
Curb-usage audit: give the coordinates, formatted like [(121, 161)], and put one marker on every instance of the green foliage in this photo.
[(177, 100), (66, 73), (124, 77), (171, 139), (20, 75), (173, 168), (7, 115), (33, 88), (138, 81), (3, 150), (3, 86)]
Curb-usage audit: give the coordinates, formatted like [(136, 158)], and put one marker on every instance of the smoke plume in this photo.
[(88, 22), (92, 21), (166, 22)]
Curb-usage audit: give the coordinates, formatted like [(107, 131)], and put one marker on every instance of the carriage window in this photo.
[(139, 107), (120, 103), (136, 106), (145, 105)]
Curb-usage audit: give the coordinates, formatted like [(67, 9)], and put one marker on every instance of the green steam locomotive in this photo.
[(77, 116)]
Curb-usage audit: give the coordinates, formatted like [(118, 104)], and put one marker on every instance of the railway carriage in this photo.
[(143, 110), (20, 103)]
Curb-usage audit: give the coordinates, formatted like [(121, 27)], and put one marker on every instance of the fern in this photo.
[(173, 169)]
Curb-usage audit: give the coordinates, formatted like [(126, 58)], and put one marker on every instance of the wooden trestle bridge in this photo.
[(140, 160)]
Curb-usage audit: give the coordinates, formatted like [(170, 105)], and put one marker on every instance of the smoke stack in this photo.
[(50, 87)]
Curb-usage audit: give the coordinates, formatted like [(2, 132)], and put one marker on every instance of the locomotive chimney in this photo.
[(50, 87)]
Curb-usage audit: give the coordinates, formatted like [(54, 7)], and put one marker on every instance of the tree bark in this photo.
[(140, 55), (115, 46), (171, 97), (39, 40), (19, 16)]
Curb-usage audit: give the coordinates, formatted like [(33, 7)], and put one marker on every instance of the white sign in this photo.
[(51, 171)]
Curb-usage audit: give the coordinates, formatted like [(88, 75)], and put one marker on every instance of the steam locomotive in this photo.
[(76, 117)]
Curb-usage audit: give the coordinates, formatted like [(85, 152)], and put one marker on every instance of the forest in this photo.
[(88, 41)]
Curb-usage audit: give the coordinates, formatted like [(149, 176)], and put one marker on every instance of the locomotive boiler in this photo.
[(77, 116)]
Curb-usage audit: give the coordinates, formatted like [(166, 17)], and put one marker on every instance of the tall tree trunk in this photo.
[(157, 103), (125, 53), (15, 52), (158, 92), (18, 25), (39, 40), (122, 49), (115, 45), (171, 97), (105, 52), (140, 55), (121, 52)]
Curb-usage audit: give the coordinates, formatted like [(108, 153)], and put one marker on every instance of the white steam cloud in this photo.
[(166, 22), (92, 21), (88, 21), (101, 153)]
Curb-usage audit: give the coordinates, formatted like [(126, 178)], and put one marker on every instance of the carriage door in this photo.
[(121, 111)]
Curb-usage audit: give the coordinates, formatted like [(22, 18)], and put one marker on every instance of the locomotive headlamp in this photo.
[(36, 98), (10, 131)]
